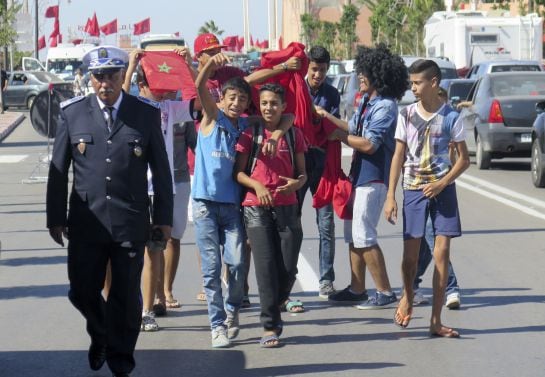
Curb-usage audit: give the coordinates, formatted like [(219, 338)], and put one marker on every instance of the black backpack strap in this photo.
[(290, 140), (257, 140)]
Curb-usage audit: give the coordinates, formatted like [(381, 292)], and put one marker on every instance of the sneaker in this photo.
[(232, 324), (347, 297), (219, 337), (326, 290), (453, 300), (419, 298), (148, 322), (380, 301)]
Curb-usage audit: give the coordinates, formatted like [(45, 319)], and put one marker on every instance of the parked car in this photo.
[(24, 86), (480, 69), (448, 71), (499, 116), (538, 147), (457, 89), (350, 98), (335, 68)]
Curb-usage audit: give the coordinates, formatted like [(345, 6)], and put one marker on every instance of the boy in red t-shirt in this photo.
[(271, 210)]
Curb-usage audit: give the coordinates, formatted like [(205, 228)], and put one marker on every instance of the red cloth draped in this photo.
[(334, 186)]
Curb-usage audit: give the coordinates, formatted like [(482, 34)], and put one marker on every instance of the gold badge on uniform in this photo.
[(81, 146), (138, 151)]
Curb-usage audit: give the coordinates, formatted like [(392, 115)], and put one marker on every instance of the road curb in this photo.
[(5, 131)]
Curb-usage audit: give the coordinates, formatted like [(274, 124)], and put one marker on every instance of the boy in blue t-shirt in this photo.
[(216, 196), (424, 131)]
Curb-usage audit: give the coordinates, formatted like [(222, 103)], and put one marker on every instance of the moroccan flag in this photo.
[(142, 27), (168, 71), (52, 12), (177, 34), (41, 42), (87, 25), (52, 42), (109, 28), (92, 27), (56, 30), (77, 41), (59, 38)]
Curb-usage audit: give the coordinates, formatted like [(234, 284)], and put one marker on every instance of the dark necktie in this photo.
[(110, 121)]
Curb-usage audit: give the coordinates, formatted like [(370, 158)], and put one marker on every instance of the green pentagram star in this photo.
[(164, 68)]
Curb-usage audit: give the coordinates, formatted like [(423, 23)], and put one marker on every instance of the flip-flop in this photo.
[(294, 306), (201, 296), (401, 320), (445, 332), (269, 341), (173, 304)]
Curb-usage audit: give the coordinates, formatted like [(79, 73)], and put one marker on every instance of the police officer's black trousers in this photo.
[(115, 322)]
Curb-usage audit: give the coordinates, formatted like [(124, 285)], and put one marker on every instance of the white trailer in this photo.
[(469, 37), (62, 60)]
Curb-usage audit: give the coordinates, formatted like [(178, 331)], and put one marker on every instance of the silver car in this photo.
[(24, 86), (499, 113)]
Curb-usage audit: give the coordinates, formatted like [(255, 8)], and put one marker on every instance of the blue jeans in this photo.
[(220, 224), (425, 257), (315, 162)]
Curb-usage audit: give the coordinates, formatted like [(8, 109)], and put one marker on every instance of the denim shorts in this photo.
[(443, 211), (368, 203)]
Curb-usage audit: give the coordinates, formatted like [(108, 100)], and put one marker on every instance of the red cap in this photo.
[(206, 41)]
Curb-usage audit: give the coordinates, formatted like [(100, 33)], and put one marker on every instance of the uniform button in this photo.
[(108, 179), (108, 160), (109, 142), (108, 197)]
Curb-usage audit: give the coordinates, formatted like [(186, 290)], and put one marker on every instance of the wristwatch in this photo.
[(285, 66)]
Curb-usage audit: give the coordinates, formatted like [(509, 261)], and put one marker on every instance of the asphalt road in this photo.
[(499, 262)]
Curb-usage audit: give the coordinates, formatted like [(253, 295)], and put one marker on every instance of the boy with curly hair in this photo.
[(383, 80)]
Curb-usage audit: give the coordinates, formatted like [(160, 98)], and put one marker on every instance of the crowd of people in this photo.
[(254, 146)]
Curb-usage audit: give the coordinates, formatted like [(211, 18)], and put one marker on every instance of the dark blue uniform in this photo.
[(109, 213)]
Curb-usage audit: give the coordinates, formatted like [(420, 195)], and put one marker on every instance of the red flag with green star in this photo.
[(168, 71)]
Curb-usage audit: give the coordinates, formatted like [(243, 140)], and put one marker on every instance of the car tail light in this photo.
[(495, 115)]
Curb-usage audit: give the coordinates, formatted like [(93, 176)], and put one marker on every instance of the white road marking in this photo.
[(12, 158), (501, 199), (307, 278), (502, 190)]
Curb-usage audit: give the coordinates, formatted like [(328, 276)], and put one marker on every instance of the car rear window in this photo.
[(45, 77), (448, 73), (515, 68), (460, 89), (519, 85)]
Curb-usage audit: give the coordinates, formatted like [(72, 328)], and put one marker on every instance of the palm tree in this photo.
[(210, 27)]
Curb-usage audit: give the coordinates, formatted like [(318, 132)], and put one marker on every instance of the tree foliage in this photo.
[(338, 38), (7, 19), (210, 27), (400, 24)]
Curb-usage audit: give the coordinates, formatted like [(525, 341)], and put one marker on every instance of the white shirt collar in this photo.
[(115, 105)]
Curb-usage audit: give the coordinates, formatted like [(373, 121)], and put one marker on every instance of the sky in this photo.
[(167, 16)]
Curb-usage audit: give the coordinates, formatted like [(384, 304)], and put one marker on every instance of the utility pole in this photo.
[(36, 51), (5, 6)]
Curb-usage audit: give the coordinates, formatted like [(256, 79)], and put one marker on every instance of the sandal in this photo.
[(269, 341), (445, 332), (292, 306), (201, 296), (402, 320), (173, 304)]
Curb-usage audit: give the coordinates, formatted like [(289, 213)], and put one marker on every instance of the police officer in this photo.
[(110, 138)]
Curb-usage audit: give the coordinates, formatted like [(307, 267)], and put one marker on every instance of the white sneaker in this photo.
[(453, 300), (219, 337), (232, 324), (148, 322), (419, 298)]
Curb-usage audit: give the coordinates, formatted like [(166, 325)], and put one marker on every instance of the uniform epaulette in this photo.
[(71, 101), (149, 102)]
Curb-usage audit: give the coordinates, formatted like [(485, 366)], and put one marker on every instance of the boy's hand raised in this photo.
[(219, 60), (184, 53)]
